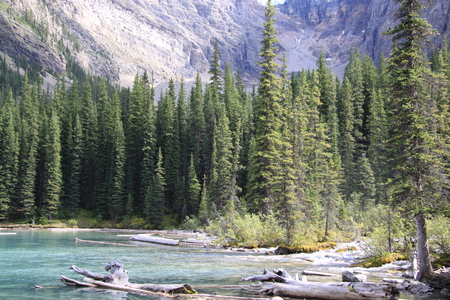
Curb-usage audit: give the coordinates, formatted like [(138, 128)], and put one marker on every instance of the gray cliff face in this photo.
[(175, 38)]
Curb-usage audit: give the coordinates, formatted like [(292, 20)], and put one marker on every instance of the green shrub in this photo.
[(381, 259), (72, 223), (438, 232), (191, 223), (248, 230)]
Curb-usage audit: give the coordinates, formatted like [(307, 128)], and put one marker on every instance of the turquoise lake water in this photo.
[(38, 257)]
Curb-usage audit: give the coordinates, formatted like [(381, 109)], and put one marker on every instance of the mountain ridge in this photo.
[(173, 39)]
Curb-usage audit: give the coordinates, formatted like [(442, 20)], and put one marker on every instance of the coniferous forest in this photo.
[(302, 156)]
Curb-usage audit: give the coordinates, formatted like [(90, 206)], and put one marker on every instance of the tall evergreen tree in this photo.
[(9, 156), (215, 71), (117, 161), (89, 135), (347, 138), (73, 190), (52, 165), (264, 165), (419, 175), (219, 190), (196, 123), (102, 162), (377, 150), (28, 150), (154, 203), (193, 190)]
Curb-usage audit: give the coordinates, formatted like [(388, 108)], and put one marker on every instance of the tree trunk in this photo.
[(423, 253)]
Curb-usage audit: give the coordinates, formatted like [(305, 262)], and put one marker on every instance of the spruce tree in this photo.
[(347, 144), (9, 156), (102, 162), (264, 164), (181, 132), (52, 166), (219, 190), (89, 136), (196, 123), (155, 198), (117, 161), (418, 147), (377, 150), (28, 150), (216, 73), (73, 190)]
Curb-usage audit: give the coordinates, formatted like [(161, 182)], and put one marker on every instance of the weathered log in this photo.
[(278, 284), (126, 288), (304, 272), (118, 277), (104, 243), (72, 282), (330, 291), (156, 240)]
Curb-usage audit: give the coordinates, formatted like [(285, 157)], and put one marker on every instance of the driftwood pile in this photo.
[(276, 283), (118, 279), (280, 283)]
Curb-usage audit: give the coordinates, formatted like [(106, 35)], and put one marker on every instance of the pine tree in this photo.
[(289, 204), (216, 73), (264, 165), (52, 166), (182, 135), (196, 123), (103, 118), (149, 143), (420, 176), (231, 99), (154, 203), (354, 74), (138, 110), (73, 186), (193, 190), (89, 136), (28, 150), (168, 142), (377, 150), (347, 139), (9, 156), (219, 190), (117, 161)]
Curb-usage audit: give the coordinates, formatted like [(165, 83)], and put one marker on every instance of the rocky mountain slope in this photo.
[(175, 38)]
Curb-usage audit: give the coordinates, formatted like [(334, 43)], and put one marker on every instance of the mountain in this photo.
[(175, 38)]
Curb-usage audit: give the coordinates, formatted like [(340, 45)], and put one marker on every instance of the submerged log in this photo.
[(286, 286), (156, 240), (104, 243)]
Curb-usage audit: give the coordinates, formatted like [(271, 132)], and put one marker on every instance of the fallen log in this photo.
[(277, 283), (311, 273), (104, 243), (126, 288), (118, 278), (72, 282), (156, 240)]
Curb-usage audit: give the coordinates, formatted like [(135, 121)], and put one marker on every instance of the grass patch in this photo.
[(283, 250), (380, 259)]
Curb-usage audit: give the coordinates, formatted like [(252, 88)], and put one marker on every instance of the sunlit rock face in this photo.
[(175, 38)]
